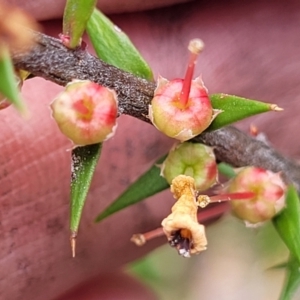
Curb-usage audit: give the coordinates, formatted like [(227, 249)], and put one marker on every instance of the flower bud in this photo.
[(191, 159), (181, 108), (268, 199), (86, 112)]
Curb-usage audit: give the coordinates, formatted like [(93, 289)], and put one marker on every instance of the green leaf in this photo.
[(145, 186), (236, 108), (292, 281), (226, 169), (287, 223), (8, 84), (114, 47), (76, 15), (84, 161)]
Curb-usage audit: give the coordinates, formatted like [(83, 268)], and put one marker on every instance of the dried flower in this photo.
[(86, 112), (268, 189), (181, 227), (191, 159), (181, 108)]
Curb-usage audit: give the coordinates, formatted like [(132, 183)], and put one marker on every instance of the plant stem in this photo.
[(50, 60)]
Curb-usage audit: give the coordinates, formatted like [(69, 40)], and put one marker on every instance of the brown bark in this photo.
[(52, 61)]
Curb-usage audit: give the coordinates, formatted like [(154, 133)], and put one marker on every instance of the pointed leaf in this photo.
[(292, 281), (145, 186), (76, 15), (8, 84), (114, 47), (287, 223), (84, 161), (236, 108)]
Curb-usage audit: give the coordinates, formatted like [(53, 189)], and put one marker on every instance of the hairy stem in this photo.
[(49, 59)]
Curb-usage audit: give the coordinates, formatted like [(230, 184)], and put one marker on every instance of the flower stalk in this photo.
[(195, 47)]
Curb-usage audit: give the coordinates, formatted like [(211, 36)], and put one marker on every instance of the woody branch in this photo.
[(49, 59)]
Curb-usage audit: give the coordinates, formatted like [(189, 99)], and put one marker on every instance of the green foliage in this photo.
[(287, 223), (84, 161), (235, 109), (8, 85), (145, 186), (106, 40), (292, 281), (114, 47), (76, 15)]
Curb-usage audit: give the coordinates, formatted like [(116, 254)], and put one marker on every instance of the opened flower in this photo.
[(268, 191), (191, 159), (86, 112), (181, 108)]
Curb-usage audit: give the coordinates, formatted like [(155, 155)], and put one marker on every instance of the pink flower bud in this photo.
[(86, 112), (191, 159), (181, 108), (268, 199)]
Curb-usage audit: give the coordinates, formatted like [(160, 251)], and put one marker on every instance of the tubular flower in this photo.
[(191, 159), (181, 108), (268, 194), (86, 112), (181, 227)]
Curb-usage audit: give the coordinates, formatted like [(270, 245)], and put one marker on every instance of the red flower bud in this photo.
[(181, 108), (268, 199), (86, 112), (191, 159)]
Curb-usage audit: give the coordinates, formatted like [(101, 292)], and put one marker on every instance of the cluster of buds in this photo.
[(181, 108), (191, 159), (256, 195), (86, 112), (268, 197)]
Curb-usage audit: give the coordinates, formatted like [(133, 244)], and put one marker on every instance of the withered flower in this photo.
[(181, 227)]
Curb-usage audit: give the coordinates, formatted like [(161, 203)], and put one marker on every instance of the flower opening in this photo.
[(181, 227)]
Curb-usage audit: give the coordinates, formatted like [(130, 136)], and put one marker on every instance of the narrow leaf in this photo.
[(292, 281), (84, 161), (287, 223), (236, 108), (145, 186), (114, 47), (76, 15), (8, 84)]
